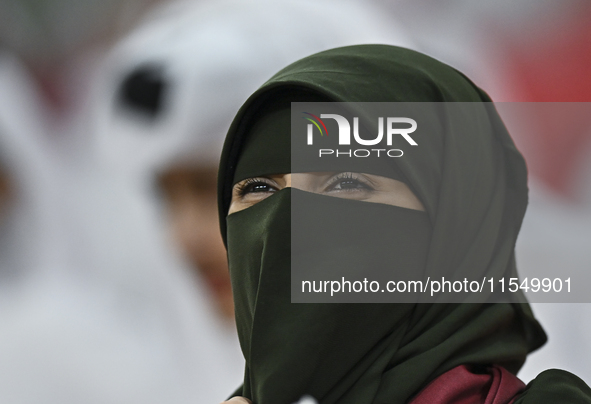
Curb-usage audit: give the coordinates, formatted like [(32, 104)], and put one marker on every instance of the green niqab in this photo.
[(474, 203)]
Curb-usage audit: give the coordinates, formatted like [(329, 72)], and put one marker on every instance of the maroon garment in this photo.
[(461, 385)]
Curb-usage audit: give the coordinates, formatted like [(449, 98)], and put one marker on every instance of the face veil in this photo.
[(474, 204)]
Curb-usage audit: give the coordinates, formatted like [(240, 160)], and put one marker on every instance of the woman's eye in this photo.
[(254, 186), (348, 182), (259, 187), (251, 191)]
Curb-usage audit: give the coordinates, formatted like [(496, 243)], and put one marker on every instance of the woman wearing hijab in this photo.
[(470, 195)]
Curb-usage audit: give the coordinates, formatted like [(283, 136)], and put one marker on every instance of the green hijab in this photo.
[(474, 204)]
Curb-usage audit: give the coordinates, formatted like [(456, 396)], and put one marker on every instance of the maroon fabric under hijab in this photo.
[(463, 385)]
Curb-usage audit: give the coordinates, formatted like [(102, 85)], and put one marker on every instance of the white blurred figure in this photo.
[(165, 99), (64, 339), (91, 310), (75, 328)]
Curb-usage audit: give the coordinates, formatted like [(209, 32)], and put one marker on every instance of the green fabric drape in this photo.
[(472, 182)]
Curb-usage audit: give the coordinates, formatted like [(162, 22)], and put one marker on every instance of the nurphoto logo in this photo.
[(395, 126)]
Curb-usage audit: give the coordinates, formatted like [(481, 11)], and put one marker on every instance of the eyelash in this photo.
[(249, 185)]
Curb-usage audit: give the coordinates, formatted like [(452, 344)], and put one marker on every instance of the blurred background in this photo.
[(113, 277)]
